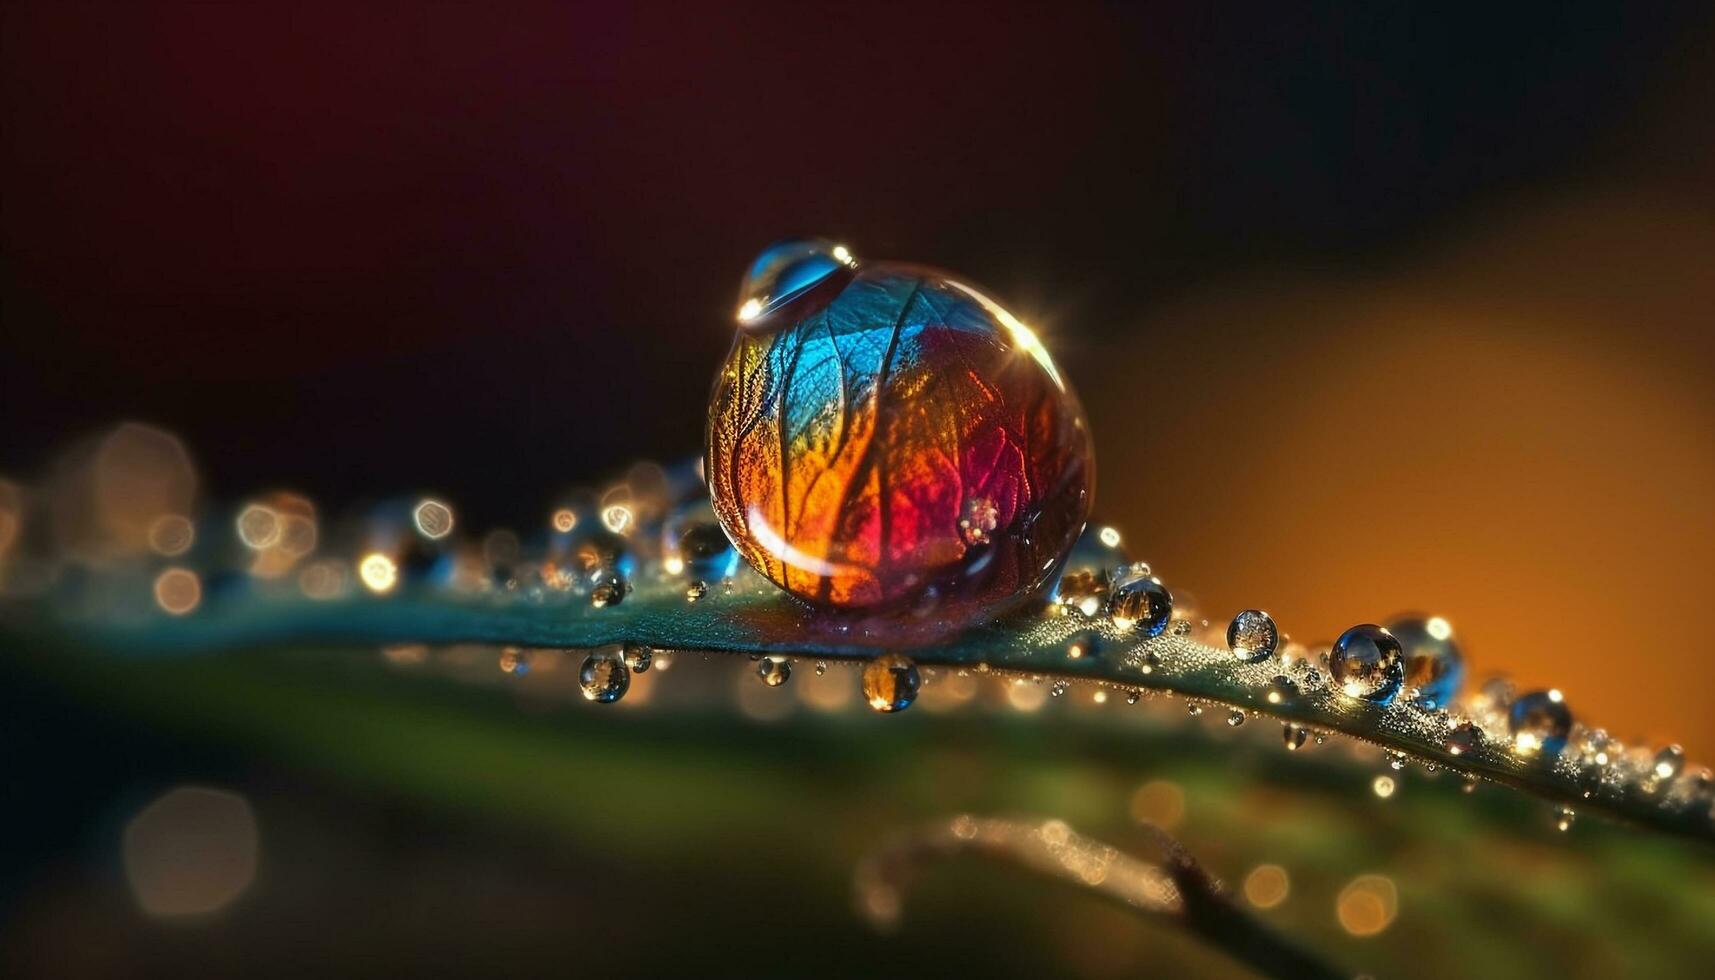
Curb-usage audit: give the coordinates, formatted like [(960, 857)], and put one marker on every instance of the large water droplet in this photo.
[(774, 671), (1139, 601), (890, 682), (1434, 664), (1539, 722), (604, 678), (1367, 663), (1252, 636)]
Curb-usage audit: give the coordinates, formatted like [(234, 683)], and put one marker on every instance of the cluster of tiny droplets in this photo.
[(656, 524)]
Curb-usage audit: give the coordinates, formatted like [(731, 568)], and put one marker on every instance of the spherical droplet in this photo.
[(1294, 736), (1539, 722), (638, 657), (1434, 664), (1139, 601), (821, 667), (608, 588), (774, 671), (604, 678), (1235, 718), (890, 682), (1367, 663), (1280, 691), (692, 542), (1252, 636), (696, 590), (1668, 763), (1083, 583), (1465, 737), (893, 434)]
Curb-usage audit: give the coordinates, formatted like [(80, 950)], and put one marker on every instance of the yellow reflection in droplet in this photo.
[(1109, 536), (190, 852), (1367, 905), (1382, 786), (617, 518), (1160, 802), (1438, 628), (378, 572), (178, 590), (564, 520), (1267, 886)]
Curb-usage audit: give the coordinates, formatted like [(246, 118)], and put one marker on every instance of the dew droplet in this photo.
[(789, 271), (696, 590), (603, 678), (1193, 708), (1252, 636), (1133, 696), (1083, 583), (1434, 664), (1235, 718), (821, 667), (1279, 691), (774, 671), (1082, 644), (1057, 689), (890, 682), (1139, 601), (1539, 722), (1294, 735), (514, 661), (638, 657), (692, 542), (608, 588), (1668, 763), (1564, 818), (1465, 737), (1395, 760), (1367, 664)]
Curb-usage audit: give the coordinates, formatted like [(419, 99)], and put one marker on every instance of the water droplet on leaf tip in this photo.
[(638, 657), (774, 671), (604, 678), (890, 683)]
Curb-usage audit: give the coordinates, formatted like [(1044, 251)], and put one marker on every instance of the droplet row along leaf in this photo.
[(753, 618)]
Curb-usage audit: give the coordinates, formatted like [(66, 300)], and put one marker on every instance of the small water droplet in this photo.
[(1395, 760), (604, 678), (1668, 763), (1564, 818), (1367, 664), (1280, 691), (1140, 602), (1193, 709), (638, 657), (696, 590), (1235, 718), (890, 682), (821, 667), (1058, 688), (1294, 735), (1539, 722), (608, 588), (1434, 664), (1132, 697), (1252, 636), (774, 671), (514, 661), (1083, 644), (1465, 737)]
